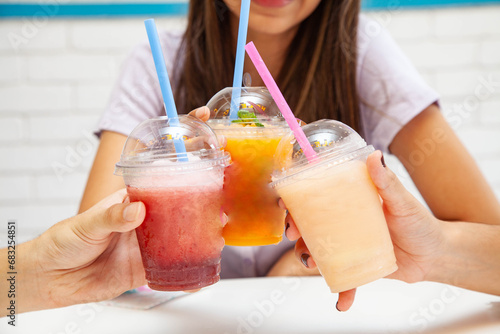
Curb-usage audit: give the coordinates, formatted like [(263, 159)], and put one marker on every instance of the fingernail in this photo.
[(382, 160), (130, 212), (304, 258), (337, 307)]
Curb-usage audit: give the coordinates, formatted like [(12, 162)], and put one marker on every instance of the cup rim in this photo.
[(285, 175), (221, 159)]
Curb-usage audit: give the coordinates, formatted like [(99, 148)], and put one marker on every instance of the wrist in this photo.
[(469, 257), (31, 279), (438, 269)]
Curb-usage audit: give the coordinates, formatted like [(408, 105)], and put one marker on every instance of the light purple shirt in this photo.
[(391, 91)]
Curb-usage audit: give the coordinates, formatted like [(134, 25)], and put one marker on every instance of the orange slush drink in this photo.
[(254, 217), (252, 134), (338, 212)]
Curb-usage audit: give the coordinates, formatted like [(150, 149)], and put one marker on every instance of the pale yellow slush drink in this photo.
[(338, 212)]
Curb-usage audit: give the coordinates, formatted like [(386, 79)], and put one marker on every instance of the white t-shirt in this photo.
[(391, 90)]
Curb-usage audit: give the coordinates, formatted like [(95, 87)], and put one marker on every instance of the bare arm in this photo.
[(443, 171), (464, 254), (89, 257), (101, 181), (19, 292), (470, 257)]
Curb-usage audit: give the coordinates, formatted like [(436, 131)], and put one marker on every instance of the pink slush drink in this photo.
[(181, 236)]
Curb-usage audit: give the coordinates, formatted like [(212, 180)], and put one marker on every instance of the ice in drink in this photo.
[(251, 205), (336, 207), (181, 236)]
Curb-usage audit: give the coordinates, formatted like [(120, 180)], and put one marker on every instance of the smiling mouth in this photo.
[(272, 3)]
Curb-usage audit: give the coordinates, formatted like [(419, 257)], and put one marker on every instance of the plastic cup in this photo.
[(335, 205), (254, 217), (181, 237)]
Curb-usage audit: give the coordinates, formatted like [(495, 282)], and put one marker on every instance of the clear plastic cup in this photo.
[(254, 217), (335, 205), (181, 236)]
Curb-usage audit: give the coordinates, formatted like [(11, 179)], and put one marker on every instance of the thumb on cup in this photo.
[(105, 217)]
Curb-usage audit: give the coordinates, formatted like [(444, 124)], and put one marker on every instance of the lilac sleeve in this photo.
[(390, 89), (254, 261)]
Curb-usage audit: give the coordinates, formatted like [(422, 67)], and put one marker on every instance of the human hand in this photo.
[(416, 234), (202, 113), (90, 257)]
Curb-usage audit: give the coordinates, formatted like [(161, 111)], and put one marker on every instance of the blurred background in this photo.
[(59, 61)]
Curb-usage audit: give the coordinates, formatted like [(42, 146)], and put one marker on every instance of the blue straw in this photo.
[(240, 59), (166, 89)]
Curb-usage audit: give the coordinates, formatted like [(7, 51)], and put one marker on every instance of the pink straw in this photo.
[(280, 101)]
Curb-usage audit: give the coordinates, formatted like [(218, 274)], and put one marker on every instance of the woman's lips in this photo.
[(272, 3)]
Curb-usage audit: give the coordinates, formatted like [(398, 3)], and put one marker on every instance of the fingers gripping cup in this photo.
[(181, 236), (254, 217), (335, 205)]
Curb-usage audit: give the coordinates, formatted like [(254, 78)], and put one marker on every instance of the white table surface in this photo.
[(283, 305)]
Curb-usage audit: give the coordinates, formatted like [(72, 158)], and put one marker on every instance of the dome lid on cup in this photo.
[(332, 141), (150, 149), (253, 100)]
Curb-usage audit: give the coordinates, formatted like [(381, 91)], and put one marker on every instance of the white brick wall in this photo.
[(70, 68), (56, 77), (11, 130), (28, 98), (92, 96), (61, 127), (13, 69), (14, 188), (444, 55), (489, 51), (467, 22), (24, 35), (30, 158), (463, 81), (60, 188), (490, 112)]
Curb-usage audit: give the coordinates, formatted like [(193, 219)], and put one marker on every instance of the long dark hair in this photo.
[(320, 76)]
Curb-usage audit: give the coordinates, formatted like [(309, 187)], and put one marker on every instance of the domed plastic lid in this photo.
[(256, 109), (332, 141), (150, 147)]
